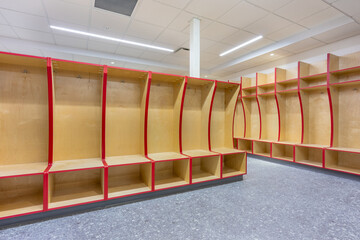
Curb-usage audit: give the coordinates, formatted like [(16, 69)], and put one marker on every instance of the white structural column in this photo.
[(195, 48)]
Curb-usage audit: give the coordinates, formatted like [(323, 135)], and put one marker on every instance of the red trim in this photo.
[(318, 75), (242, 104), (51, 110), (294, 153), (103, 122), (76, 62), (344, 69), (46, 191), (323, 157), (210, 111), (77, 169), (221, 165), (233, 121), (190, 170), (257, 100), (314, 87), (153, 176), (301, 107), (271, 149), (181, 115), (277, 106), (345, 82), (330, 104), (146, 115), (171, 159), (106, 182)]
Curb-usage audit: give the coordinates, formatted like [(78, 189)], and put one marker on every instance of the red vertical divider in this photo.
[(146, 131), (221, 165), (233, 122), (242, 104), (209, 124), (277, 106), (190, 170), (103, 132), (330, 102), (257, 100), (181, 115), (294, 153), (323, 157), (301, 106)]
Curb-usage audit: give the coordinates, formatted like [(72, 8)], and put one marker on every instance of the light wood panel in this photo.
[(283, 151), (343, 161), (245, 145), (239, 124), (234, 164), (205, 168), (252, 118), (24, 115), (269, 118), (172, 173), (306, 155), (261, 148), (263, 78), (248, 82)]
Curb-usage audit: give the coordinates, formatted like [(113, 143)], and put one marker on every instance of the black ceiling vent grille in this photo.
[(125, 7)]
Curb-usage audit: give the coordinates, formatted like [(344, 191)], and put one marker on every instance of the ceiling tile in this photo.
[(330, 1), (286, 32), (259, 44), (267, 25), (320, 17), (24, 20), (24, 50), (68, 25), (3, 48), (86, 59), (182, 22), (58, 55), (175, 60), (7, 31), (303, 45), (102, 46), (33, 7), (153, 56), (238, 38), (175, 3), (204, 43), (269, 5), (172, 38), (136, 66), (345, 31), (218, 48), (143, 30), (242, 15), (217, 31), (116, 24), (155, 13), (70, 41), (211, 9), (351, 7), (112, 63), (67, 12), (2, 20), (90, 3), (125, 50), (34, 35), (299, 9)]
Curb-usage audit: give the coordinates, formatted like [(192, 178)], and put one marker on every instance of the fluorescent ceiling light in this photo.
[(241, 45), (111, 38)]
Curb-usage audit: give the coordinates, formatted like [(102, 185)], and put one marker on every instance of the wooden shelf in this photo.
[(199, 153), (316, 115), (21, 195), (268, 88), (288, 75), (265, 79), (286, 85), (269, 118), (248, 83), (24, 115), (166, 95), (77, 115), (261, 148), (172, 173), (163, 156), (234, 164), (344, 68), (75, 187), (309, 156), (283, 151), (226, 150), (127, 91), (249, 92), (290, 117), (252, 117), (196, 113), (129, 179), (244, 145), (205, 169), (343, 161), (313, 74)]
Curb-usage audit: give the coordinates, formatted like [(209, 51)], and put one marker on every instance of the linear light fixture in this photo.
[(111, 38), (241, 45)]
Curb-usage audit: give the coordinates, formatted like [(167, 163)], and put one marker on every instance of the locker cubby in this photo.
[(290, 117), (317, 116), (172, 173), (20, 195), (262, 148), (77, 115), (244, 145), (248, 92), (222, 117), (287, 85), (247, 82), (314, 74), (344, 68), (205, 168), (286, 75), (269, 118), (75, 187), (252, 118), (166, 94), (129, 179), (239, 124), (265, 79), (283, 151), (233, 164), (267, 89), (196, 113), (309, 155), (342, 161), (24, 115), (125, 116)]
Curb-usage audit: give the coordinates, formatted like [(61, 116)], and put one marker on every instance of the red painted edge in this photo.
[(210, 112), (233, 121), (51, 110), (103, 122), (190, 170), (146, 115), (330, 104), (181, 114), (221, 165), (257, 100), (301, 107), (277, 107)]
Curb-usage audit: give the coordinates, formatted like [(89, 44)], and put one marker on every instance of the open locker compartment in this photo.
[(239, 124), (77, 115), (345, 68), (165, 103), (309, 155), (24, 115), (269, 118), (129, 179), (342, 161), (172, 173), (290, 117), (316, 117), (286, 79), (265, 83), (283, 151), (222, 117), (248, 86), (262, 148), (234, 164), (346, 116), (126, 95), (195, 119), (76, 187), (244, 145), (21, 195), (205, 168), (313, 74), (252, 118)]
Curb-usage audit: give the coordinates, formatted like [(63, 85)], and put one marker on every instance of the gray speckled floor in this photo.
[(274, 201)]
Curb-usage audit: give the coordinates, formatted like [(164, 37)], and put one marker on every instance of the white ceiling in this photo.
[(224, 24)]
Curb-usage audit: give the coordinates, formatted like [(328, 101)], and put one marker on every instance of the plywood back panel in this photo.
[(23, 113), (239, 124), (269, 118), (252, 118), (77, 114)]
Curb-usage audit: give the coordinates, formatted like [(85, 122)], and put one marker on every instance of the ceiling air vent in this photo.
[(125, 7)]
